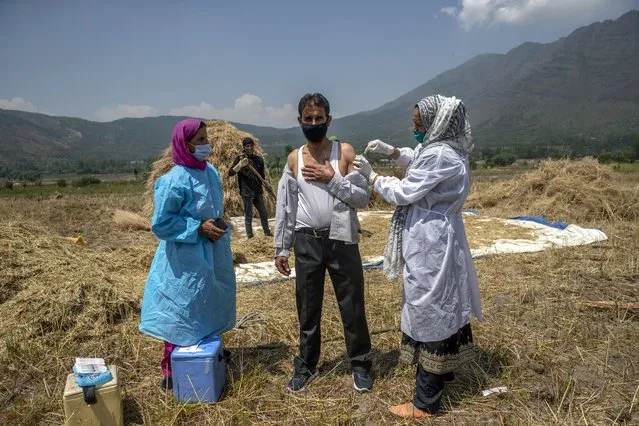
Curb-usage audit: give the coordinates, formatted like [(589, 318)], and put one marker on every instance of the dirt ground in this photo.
[(562, 362)]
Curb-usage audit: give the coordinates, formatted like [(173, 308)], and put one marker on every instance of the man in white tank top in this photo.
[(316, 201)]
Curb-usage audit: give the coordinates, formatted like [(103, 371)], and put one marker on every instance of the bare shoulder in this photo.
[(348, 152), (292, 160)]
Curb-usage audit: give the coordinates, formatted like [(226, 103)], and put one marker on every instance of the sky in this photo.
[(251, 61)]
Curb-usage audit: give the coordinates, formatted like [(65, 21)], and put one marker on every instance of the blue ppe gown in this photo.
[(190, 292)]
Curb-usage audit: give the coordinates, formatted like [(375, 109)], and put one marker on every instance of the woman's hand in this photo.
[(379, 147), (363, 166), (211, 231)]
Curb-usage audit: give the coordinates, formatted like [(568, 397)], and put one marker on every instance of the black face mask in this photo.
[(315, 132)]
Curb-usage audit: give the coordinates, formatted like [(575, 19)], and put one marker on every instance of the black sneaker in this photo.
[(167, 384), (268, 234), (299, 381), (362, 381), (249, 236)]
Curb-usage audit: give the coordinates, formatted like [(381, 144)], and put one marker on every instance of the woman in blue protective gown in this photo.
[(190, 291)]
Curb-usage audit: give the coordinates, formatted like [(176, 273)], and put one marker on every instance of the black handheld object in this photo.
[(219, 222)]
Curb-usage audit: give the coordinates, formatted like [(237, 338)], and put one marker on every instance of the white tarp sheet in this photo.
[(546, 237)]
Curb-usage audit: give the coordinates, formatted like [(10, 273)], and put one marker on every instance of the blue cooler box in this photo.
[(199, 372)]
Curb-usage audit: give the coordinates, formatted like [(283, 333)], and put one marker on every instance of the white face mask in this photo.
[(201, 151)]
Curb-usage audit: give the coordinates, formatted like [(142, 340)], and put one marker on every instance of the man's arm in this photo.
[(285, 210), (353, 188), (231, 171), (260, 166)]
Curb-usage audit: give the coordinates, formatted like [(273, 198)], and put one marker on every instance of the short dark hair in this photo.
[(314, 99), (247, 141)]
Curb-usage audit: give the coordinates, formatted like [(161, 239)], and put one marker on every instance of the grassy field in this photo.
[(562, 361), (116, 187), (626, 167)]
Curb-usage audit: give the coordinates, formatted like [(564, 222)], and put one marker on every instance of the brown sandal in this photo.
[(408, 411)]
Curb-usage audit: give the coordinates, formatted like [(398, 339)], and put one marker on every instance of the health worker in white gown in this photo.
[(427, 245)]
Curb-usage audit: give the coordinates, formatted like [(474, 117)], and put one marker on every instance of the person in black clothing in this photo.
[(251, 186)]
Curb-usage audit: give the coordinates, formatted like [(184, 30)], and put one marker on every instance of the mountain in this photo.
[(30, 141), (579, 94), (584, 87)]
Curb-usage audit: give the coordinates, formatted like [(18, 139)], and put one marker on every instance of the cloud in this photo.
[(123, 110), (248, 109), (18, 104), (450, 11), (475, 13)]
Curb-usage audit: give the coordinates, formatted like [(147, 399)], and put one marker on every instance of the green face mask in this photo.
[(419, 136)]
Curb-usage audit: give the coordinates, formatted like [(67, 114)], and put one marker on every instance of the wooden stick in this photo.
[(265, 184)]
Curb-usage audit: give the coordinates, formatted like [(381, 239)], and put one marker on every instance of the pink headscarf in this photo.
[(182, 132)]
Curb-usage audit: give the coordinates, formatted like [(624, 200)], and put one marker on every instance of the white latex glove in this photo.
[(379, 147), (362, 165), (243, 162)]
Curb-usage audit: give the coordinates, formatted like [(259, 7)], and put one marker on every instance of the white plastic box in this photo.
[(107, 411)]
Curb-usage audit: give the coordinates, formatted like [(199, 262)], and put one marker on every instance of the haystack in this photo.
[(226, 143), (59, 300), (580, 190), (131, 221), (51, 285)]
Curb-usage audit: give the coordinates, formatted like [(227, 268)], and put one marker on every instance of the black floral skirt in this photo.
[(439, 357)]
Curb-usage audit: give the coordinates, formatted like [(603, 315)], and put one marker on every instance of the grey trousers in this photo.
[(257, 201), (313, 256)]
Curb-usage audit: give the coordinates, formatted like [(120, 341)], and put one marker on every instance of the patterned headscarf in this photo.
[(446, 121)]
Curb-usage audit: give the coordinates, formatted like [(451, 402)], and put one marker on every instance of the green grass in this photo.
[(121, 184), (32, 190), (626, 167)]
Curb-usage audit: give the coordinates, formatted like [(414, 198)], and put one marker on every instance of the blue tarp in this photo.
[(543, 221), (538, 219)]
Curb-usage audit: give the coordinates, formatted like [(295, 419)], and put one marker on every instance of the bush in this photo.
[(623, 157), (605, 158), (86, 181), (31, 177), (8, 184), (502, 159), (61, 183)]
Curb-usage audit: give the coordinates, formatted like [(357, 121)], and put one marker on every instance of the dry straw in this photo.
[(226, 144), (66, 285), (129, 220), (581, 190), (559, 332)]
